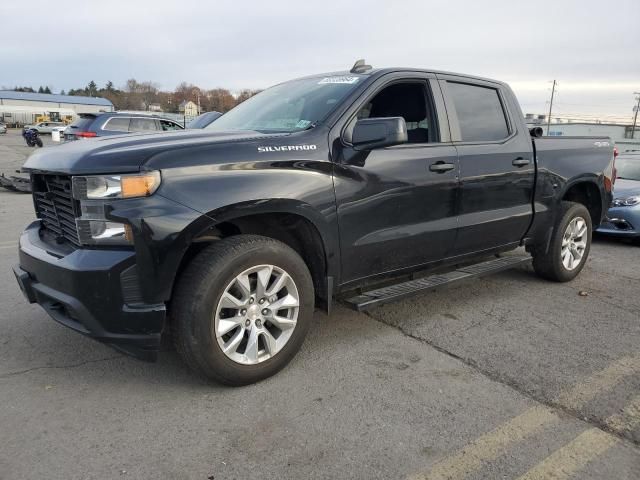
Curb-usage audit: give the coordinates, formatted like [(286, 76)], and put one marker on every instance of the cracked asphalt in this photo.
[(507, 377)]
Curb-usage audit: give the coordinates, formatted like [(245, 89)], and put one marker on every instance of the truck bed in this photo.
[(564, 154)]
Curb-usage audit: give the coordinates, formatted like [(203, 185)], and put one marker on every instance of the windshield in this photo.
[(290, 106), (628, 167)]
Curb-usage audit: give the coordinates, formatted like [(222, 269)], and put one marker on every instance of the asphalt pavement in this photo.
[(507, 377)]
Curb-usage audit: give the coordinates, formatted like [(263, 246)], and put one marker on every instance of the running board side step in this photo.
[(380, 296)]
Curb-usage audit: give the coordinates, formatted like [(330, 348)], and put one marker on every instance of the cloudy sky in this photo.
[(591, 47)]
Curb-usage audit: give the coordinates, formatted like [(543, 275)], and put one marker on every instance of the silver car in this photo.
[(623, 218), (3, 128), (45, 127)]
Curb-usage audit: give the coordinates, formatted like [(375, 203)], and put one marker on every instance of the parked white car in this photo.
[(3, 128), (45, 127)]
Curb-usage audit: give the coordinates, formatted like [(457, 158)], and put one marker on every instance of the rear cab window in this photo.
[(480, 112)]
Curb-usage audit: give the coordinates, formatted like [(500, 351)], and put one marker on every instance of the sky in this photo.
[(591, 47)]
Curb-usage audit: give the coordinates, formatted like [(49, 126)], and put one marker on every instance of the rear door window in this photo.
[(142, 125), (117, 124), (480, 113)]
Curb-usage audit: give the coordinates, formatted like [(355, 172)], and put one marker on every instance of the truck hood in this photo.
[(625, 188), (126, 153)]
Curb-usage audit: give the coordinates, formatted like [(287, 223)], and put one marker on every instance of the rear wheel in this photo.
[(569, 246), (242, 309)]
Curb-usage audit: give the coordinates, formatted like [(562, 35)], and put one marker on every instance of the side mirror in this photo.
[(370, 133)]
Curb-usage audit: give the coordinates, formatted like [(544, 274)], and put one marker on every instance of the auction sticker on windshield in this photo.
[(340, 79)]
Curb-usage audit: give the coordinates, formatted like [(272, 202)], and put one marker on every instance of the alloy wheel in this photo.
[(574, 243), (257, 314)]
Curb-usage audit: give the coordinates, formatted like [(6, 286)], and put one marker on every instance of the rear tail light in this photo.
[(85, 134)]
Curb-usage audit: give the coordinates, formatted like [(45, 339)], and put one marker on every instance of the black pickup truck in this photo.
[(365, 186)]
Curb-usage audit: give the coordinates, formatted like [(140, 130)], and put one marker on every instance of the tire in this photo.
[(550, 264), (197, 309), (39, 142)]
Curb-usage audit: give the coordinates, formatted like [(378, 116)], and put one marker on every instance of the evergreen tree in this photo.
[(92, 89), (41, 90)]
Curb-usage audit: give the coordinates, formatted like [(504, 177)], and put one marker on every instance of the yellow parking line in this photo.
[(564, 462), (628, 419), (491, 445), (600, 381)]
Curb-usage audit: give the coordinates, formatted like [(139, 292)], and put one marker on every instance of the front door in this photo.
[(396, 206)]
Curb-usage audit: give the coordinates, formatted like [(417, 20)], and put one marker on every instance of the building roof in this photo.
[(51, 98)]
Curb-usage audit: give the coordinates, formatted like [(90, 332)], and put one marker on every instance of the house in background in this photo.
[(188, 108)]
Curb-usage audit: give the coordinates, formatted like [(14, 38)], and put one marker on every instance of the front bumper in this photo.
[(622, 222), (91, 292)]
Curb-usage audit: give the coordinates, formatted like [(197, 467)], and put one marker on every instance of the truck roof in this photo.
[(378, 72)]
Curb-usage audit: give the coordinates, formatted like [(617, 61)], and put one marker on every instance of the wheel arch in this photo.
[(294, 223), (586, 191)]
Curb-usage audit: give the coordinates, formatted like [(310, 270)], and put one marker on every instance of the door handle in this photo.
[(520, 162), (441, 167)]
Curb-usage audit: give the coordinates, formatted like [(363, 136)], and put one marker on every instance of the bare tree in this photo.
[(148, 93), (245, 94), (219, 100)]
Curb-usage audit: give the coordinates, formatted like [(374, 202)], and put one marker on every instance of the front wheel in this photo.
[(242, 309), (569, 247), (39, 142)]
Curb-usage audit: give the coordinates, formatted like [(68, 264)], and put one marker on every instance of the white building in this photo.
[(619, 133), (22, 108), (188, 108)]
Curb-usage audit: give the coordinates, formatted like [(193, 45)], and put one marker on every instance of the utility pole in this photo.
[(635, 116), (553, 91)]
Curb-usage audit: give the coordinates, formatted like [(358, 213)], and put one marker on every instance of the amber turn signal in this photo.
[(139, 185)]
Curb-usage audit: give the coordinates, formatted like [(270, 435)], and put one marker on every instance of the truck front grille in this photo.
[(56, 207)]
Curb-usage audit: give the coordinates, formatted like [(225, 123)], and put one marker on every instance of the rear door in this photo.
[(497, 170), (396, 205)]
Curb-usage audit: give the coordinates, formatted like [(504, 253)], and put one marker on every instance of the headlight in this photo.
[(103, 232), (116, 186), (93, 192), (626, 202)]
